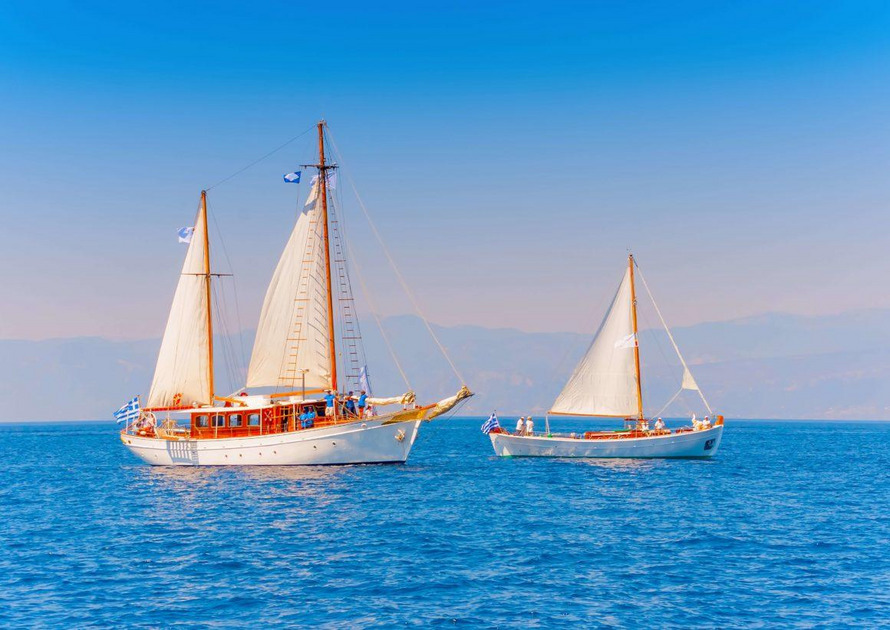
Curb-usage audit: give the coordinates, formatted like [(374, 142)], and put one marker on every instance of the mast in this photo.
[(633, 309), (207, 295), (322, 190)]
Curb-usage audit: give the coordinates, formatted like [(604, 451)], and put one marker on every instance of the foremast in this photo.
[(636, 342), (209, 310)]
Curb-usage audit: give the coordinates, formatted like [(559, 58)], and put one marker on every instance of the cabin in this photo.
[(239, 421)]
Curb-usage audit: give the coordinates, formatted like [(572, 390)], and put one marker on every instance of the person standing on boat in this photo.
[(350, 405), (330, 399), (309, 422), (303, 415), (659, 425), (520, 426), (529, 426), (362, 403)]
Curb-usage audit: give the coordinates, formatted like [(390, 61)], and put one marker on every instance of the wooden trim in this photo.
[(300, 392), (584, 415), (323, 192)]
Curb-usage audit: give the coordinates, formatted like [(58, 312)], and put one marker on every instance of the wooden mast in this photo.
[(322, 191), (207, 294), (633, 307)]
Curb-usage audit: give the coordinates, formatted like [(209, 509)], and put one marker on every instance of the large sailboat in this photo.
[(185, 422), (607, 383)]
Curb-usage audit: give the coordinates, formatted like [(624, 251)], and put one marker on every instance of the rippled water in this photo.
[(787, 526)]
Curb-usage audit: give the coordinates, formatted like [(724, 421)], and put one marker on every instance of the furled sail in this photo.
[(182, 372), (292, 336), (605, 381)]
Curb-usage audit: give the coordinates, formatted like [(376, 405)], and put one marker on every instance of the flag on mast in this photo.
[(491, 424), (185, 234), (292, 178)]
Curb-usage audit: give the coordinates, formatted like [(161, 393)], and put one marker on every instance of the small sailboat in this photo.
[(607, 383), (301, 422)]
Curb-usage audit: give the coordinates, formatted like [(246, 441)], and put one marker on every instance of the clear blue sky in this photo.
[(510, 153)]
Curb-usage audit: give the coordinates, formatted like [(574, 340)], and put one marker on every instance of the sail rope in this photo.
[(374, 312), (258, 160), (673, 343), (394, 267)]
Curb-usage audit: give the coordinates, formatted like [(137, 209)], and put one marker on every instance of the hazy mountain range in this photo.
[(769, 366)]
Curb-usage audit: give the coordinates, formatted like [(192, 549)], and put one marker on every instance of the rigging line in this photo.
[(376, 315), (258, 160), (225, 250), (395, 269), (671, 337)]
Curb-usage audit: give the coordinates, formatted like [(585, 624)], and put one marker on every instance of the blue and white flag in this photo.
[(292, 178), (364, 380), (129, 412), (491, 424), (185, 234)]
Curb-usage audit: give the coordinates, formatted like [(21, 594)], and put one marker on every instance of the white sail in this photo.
[(293, 333), (605, 382), (182, 374)]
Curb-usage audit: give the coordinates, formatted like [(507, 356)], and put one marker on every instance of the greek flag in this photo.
[(364, 380), (185, 234), (491, 424), (129, 412), (292, 178)]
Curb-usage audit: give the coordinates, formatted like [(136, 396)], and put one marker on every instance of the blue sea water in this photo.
[(787, 526)]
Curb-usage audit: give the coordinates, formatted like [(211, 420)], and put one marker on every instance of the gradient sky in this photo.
[(510, 154)]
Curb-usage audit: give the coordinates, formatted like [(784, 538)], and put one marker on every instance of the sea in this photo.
[(788, 526)]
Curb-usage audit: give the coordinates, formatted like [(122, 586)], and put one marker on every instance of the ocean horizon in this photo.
[(785, 527)]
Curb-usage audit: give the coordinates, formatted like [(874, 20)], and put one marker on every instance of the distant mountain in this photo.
[(770, 366)]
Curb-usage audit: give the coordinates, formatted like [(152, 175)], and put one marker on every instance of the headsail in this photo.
[(605, 381), (293, 332), (182, 374)]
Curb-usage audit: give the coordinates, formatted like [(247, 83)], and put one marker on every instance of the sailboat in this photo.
[(607, 383), (295, 353)]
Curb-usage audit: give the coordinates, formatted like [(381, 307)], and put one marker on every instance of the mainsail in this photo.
[(605, 381), (182, 374), (293, 334)]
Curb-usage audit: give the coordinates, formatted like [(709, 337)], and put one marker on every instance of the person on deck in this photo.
[(350, 405), (706, 423), (529, 426), (309, 421), (330, 399), (303, 415), (362, 403), (659, 425), (520, 426)]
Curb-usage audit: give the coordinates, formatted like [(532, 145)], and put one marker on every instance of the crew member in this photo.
[(350, 405), (362, 403), (520, 426), (529, 426), (330, 399)]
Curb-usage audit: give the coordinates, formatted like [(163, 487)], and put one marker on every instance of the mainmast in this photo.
[(207, 295), (322, 190), (633, 308)]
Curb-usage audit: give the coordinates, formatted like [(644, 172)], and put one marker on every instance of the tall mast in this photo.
[(323, 192), (207, 295), (633, 308)]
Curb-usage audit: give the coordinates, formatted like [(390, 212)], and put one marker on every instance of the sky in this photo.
[(510, 154)]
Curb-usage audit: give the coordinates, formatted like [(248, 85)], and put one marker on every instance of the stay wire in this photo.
[(258, 160), (395, 268)]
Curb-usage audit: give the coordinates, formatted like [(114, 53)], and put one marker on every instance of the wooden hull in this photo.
[(687, 444), (365, 442)]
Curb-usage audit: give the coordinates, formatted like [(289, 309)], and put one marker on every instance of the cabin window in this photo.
[(201, 422), (235, 420), (253, 420), (219, 421)]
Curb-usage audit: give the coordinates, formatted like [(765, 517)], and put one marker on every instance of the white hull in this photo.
[(688, 444), (368, 442)]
